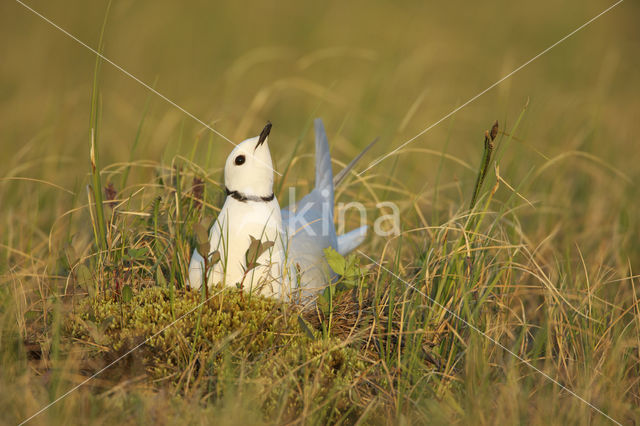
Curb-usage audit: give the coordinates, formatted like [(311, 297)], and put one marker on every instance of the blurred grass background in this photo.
[(368, 69)]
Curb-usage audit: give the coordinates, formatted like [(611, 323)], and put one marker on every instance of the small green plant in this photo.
[(349, 277), (210, 258), (253, 253), (489, 137)]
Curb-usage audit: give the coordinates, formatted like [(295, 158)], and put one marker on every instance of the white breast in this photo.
[(231, 236)]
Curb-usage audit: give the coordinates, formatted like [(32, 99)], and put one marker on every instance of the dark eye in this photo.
[(239, 160)]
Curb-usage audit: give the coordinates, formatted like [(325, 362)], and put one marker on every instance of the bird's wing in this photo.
[(352, 239), (337, 180), (312, 217)]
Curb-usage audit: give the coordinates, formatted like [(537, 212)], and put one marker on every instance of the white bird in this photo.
[(250, 210), (295, 268)]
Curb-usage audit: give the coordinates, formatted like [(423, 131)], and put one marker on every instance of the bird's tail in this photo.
[(324, 172)]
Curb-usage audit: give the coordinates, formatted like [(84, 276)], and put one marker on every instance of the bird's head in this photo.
[(249, 169)]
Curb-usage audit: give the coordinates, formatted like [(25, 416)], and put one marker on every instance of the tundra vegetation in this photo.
[(515, 265)]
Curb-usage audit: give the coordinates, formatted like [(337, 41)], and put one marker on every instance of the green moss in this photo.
[(253, 337), (245, 327)]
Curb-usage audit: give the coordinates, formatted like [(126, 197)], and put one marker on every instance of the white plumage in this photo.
[(295, 267)]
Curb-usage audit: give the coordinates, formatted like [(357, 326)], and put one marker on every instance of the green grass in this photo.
[(533, 241)]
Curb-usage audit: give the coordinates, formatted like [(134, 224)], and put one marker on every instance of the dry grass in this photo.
[(545, 262)]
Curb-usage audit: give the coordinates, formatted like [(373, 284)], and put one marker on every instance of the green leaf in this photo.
[(305, 327), (138, 253), (323, 304), (127, 293), (252, 252), (86, 280), (160, 279), (324, 300), (202, 236), (353, 270), (202, 239), (255, 250), (346, 284), (203, 249), (214, 258), (336, 261), (264, 246)]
